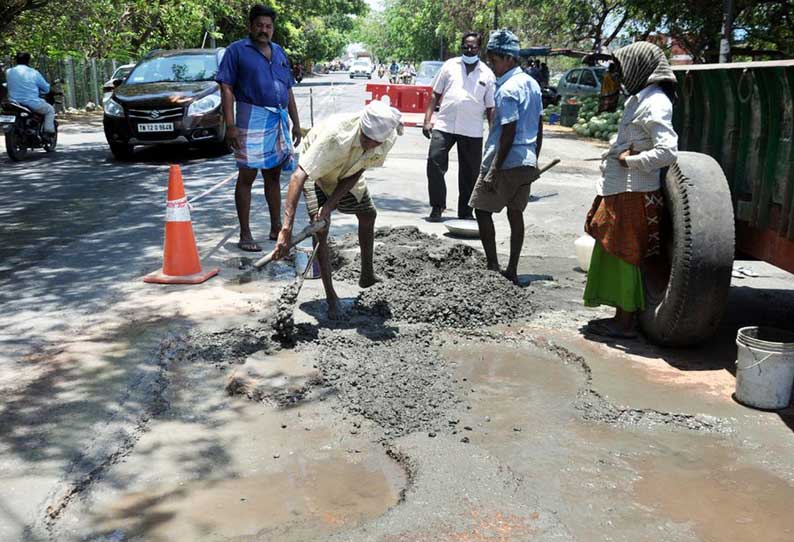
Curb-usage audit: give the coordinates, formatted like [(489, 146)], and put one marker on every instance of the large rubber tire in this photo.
[(700, 249), (15, 148)]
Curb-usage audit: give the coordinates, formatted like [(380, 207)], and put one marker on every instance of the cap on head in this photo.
[(379, 120), (503, 42)]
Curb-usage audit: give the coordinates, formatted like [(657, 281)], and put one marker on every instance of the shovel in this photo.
[(312, 229), (469, 228)]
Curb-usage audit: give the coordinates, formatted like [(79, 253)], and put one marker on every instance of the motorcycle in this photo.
[(407, 77), (24, 128), (381, 72), (297, 72)]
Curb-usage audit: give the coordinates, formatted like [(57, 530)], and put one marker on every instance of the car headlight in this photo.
[(113, 109), (204, 105)]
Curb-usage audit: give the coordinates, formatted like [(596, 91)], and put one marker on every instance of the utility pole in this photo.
[(496, 15), (727, 31)]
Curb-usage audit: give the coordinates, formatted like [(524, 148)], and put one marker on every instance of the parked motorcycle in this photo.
[(24, 129)]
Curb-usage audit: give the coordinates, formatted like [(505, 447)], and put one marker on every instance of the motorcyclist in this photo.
[(394, 69), (25, 86)]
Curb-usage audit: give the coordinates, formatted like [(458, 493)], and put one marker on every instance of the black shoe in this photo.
[(467, 216), (435, 215)]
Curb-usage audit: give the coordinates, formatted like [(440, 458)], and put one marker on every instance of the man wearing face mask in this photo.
[(465, 88)]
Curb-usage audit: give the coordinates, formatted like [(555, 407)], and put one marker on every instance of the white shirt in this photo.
[(464, 97), (647, 127)]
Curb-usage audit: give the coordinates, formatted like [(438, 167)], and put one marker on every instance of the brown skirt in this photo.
[(628, 224)]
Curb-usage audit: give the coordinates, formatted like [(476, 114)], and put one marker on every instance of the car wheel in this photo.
[(685, 303), (122, 151)]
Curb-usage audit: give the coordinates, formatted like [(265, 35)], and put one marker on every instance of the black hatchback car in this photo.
[(169, 97)]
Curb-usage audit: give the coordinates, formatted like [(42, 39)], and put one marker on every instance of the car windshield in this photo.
[(122, 72), (175, 69), (361, 63), (428, 69)]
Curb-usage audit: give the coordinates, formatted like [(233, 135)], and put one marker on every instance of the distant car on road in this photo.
[(115, 80), (427, 72), (361, 68), (169, 97), (584, 81)]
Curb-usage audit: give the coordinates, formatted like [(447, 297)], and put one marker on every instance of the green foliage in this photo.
[(123, 29)]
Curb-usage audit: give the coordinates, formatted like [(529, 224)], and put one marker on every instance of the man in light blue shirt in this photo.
[(509, 164), (26, 85)]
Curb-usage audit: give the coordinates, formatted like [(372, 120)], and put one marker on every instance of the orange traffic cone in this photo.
[(181, 263)]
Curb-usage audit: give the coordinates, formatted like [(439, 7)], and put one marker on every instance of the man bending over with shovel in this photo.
[(333, 158)]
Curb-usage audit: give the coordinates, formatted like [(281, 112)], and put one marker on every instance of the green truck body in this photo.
[(742, 114)]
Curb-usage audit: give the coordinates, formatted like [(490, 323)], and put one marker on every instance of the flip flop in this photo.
[(249, 246), (604, 329)]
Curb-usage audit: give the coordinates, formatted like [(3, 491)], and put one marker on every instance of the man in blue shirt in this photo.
[(255, 75), (509, 163), (26, 85)]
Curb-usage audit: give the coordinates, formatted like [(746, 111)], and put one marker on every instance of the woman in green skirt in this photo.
[(627, 211)]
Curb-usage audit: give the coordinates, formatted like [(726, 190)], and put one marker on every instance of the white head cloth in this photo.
[(379, 119)]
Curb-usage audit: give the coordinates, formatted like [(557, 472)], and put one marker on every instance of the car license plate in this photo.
[(7, 119), (156, 127)]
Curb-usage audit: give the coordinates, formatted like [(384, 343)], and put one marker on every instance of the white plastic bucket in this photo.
[(764, 367), (584, 250)]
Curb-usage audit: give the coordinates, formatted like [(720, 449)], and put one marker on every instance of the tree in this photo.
[(11, 9), (124, 29)]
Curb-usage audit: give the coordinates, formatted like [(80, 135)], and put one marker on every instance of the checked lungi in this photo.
[(264, 136), (348, 204)]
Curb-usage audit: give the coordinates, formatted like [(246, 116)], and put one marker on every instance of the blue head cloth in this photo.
[(503, 42)]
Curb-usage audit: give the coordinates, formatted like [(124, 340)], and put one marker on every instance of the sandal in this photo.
[(249, 246)]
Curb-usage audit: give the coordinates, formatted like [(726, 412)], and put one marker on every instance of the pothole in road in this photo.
[(218, 467), (304, 501), (610, 474)]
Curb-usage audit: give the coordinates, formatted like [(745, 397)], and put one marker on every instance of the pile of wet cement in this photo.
[(229, 346), (284, 322), (429, 280), (400, 382)]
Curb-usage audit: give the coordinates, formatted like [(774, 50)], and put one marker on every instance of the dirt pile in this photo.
[(429, 280), (400, 383)]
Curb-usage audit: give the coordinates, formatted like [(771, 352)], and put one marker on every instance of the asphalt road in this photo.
[(114, 421), (76, 224)]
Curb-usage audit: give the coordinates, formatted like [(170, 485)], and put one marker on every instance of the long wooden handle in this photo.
[(308, 231), (548, 166)]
